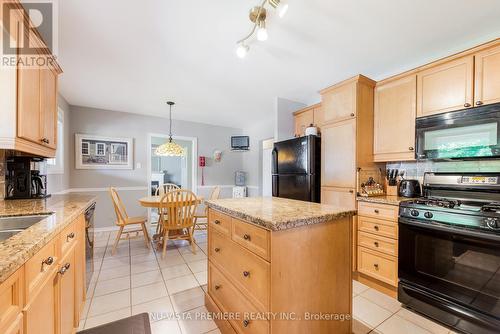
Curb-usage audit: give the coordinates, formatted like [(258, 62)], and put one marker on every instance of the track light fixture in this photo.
[(258, 15)]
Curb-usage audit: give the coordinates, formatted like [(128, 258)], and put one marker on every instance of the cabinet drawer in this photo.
[(382, 211), (378, 243), (380, 227), (11, 298), (251, 237), (377, 265), (68, 237), (40, 267), (219, 221), (231, 300), (246, 270)]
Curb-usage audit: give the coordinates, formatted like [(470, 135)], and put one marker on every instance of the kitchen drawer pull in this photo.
[(246, 273), (247, 237), (64, 269), (467, 105), (217, 222), (376, 211), (351, 191), (217, 249), (246, 323), (411, 148), (217, 287), (352, 114), (376, 243), (70, 236), (48, 261), (376, 266), (479, 103), (375, 227)]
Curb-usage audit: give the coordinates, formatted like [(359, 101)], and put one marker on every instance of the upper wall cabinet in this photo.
[(339, 102), (487, 76), (305, 117), (394, 119), (445, 87)]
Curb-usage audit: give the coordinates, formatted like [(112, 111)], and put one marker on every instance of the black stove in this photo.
[(449, 251)]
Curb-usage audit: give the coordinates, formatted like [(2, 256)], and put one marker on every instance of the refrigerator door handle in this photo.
[(274, 167)]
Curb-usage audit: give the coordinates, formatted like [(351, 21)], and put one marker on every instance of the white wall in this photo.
[(285, 123)]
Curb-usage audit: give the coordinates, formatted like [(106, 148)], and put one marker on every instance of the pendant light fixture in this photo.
[(170, 148)]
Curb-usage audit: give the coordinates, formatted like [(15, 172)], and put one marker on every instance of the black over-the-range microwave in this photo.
[(465, 134)]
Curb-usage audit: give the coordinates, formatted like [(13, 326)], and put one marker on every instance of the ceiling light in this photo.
[(242, 50), (258, 16), (262, 32), (170, 148)]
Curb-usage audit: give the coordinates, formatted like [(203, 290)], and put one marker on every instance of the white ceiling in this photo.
[(132, 56)]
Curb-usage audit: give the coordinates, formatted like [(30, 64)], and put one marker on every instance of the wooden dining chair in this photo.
[(177, 209), (123, 220), (160, 191), (202, 226)]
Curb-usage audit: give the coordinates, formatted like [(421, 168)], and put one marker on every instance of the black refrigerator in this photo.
[(296, 169)]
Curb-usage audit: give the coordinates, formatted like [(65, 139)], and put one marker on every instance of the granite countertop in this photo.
[(391, 200), (279, 213), (15, 251)]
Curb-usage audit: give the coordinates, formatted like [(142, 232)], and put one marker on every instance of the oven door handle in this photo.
[(441, 228)]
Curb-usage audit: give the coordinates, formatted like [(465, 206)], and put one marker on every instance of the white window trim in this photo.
[(58, 168), (88, 148), (97, 149)]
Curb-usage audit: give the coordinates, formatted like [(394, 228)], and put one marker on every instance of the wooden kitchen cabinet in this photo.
[(339, 101), (394, 119), (67, 289), (48, 107), (338, 154), (487, 76), (307, 116), (11, 302), (446, 87), (342, 197), (28, 104), (41, 312)]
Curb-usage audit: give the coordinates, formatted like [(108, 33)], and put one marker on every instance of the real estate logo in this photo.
[(29, 33)]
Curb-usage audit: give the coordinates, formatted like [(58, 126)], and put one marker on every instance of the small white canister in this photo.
[(311, 130)]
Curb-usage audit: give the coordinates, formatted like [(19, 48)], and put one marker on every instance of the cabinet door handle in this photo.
[(247, 237), (217, 250), (376, 266), (70, 236), (217, 287), (246, 323), (246, 273), (375, 227), (376, 244), (351, 191), (48, 261), (64, 269), (376, 211), (411, 148), (479, 103), (217, 222), (353, 114), (467, 105)]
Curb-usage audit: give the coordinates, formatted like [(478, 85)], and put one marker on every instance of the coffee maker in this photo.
[(26, 178)]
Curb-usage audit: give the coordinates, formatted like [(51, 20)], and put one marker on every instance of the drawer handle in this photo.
[(479, 103), (352, 115), (48, 261), (64, 269), (376, 266), (375, 227), (246, 323), (351, 191), (467, 105), (246, 273), (217, 287), (411, 148), (217, 250), (376, 243), (376, 211), (217, 222), (247, 237), (70, 236)]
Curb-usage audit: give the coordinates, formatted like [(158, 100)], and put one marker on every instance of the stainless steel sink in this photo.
[(10, 226)]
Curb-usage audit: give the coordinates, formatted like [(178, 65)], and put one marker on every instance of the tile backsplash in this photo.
[(416, 170)]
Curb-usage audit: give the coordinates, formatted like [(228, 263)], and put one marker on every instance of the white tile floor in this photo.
[(137, 280)]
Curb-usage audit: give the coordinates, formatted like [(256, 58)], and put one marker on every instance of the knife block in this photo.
[(390, 190)]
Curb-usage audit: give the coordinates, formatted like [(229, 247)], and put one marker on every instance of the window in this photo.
[(56, 165), (100, 149), (85, 148)]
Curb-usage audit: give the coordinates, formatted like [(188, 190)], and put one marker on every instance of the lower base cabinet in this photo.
[(46, 295)]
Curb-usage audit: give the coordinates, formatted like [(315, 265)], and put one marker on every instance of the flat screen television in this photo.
[(240, 143)]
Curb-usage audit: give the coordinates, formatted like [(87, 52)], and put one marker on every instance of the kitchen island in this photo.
[(279, 266)]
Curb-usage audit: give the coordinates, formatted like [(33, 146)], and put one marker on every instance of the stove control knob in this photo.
[(414, 213), (428, 215), (492, 223)]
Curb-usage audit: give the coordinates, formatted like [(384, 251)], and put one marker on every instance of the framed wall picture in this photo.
[(97, 152)]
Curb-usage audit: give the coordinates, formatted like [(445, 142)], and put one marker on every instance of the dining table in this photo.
[(153, 202)]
